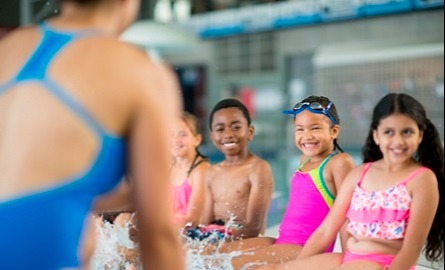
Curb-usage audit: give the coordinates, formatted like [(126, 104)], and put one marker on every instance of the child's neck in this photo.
[(184, 162), (318, 158), (237, 159), (391, 167)]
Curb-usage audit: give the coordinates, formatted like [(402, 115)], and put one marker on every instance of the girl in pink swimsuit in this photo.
[(313, 188), (188, 171), (392, 203)]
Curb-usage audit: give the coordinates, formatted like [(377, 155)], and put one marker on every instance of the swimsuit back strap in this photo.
[(196, 164), (36, 68), (51, 44)]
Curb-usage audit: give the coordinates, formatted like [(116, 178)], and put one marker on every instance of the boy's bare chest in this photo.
[(231, 184)]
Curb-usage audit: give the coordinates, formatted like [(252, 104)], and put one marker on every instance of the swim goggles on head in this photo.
[(314, 107)]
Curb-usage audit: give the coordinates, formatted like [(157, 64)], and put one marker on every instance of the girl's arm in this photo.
[(339, 167), (425, 194), (195, 208), (328, 230)]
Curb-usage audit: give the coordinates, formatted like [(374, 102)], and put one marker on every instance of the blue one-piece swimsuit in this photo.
[(41, 230)]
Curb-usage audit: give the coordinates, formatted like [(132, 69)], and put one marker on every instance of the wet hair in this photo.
[(324, 101), (230, 103), (192, 123), (430, 154)]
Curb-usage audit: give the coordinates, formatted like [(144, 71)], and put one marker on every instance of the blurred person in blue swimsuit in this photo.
[(78, 110)]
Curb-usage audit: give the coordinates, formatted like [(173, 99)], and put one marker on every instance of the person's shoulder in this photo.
[(341, 159), (357, 171), (427, 175), (203, 166), (213, 169), (258, 161), (255, 158), (113, 49), (260, 167), (19, 34)]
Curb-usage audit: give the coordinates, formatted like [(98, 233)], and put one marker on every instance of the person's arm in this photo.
[(155, 109), (339, 167), (195, 208), (262, 186), (331, 225), (209, 214), (118, 199), (425, 193)]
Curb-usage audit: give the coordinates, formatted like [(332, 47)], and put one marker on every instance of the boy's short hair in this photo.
[(230, 103)]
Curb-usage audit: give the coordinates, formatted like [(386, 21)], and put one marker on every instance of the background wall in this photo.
[(352, 62)]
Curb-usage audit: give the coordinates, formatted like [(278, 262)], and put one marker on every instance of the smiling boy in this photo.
[(242, 184)]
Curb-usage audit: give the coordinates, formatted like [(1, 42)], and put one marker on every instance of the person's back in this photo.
[(69, 95), (241, 186)]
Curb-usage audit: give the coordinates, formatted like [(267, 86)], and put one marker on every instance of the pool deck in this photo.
[(423, 264)]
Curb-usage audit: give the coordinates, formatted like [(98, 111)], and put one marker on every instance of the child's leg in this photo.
[(326, 261), (247, 244), (240, 245), (365, 261), (274, 254), (360, 265)]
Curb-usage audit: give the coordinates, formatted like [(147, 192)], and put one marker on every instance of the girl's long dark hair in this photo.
[(430, 154)]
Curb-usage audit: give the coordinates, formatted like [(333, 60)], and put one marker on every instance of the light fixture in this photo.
[(161, 37)]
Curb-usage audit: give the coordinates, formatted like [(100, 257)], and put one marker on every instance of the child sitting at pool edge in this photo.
[(241, 186)]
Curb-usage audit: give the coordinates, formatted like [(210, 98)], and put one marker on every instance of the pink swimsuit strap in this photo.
[(404, 182)]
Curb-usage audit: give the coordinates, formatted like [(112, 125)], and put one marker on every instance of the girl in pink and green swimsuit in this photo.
[(393, 204), (313, 188)]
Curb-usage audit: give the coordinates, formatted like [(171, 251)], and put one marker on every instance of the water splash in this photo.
[(113, 241)]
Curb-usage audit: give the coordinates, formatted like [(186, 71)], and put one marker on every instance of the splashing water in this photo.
[(113, 241)]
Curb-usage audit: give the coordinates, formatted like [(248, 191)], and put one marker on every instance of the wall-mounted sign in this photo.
[(280, 15)]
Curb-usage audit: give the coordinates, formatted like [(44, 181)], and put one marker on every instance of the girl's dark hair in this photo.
[(230, 103), (332, 111), (430, 154)]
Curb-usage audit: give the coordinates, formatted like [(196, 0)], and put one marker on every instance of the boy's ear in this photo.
[(251, 132)]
